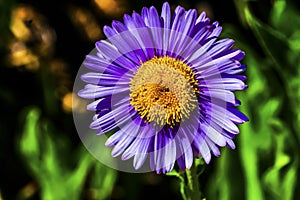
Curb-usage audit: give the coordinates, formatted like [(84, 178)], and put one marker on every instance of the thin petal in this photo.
[(94, 91), (111, 52), (166, 16), (156, 29), (202, 147)]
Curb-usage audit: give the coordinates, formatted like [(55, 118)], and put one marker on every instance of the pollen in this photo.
[(164, 91)]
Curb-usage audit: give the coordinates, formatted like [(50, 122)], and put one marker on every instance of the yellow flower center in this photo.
[(163, 91)]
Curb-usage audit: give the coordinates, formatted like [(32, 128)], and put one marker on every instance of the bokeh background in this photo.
[(42, 45)]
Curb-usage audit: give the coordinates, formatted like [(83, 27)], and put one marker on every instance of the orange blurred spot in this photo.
[(72, 102), (22, 56), (86, 22), (58, 67), (62, 77), (32, 38), (113, 8), (27, 191), (67, 102), (29, 25), (19, 17)]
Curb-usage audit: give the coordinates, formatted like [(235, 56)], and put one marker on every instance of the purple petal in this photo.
[(231, 84), (214, 149), (155, 25), (230, 143), (95, 91), (220, 94), (213, 134), (166, 16), (202, 147), (111, 52), (102, 65)]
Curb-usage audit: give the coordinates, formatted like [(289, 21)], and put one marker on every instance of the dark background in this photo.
[(42, 46)]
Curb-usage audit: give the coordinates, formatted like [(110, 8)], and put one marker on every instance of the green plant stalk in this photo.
[(192, 187), (189, 182)]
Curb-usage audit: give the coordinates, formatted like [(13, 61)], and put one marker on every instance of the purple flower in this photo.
[(163, 87)]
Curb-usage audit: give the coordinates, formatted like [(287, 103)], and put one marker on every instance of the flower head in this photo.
[(163, 86)]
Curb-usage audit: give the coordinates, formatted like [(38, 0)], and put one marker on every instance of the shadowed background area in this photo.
[(42, 45)]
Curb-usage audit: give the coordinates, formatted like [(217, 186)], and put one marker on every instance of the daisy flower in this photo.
[(162, 86)]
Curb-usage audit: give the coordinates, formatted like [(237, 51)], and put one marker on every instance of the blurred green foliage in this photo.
[(45, 157), (268, 144)]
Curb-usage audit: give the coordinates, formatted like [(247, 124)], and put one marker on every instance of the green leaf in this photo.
[(277, 12), (280, 178), (29, 145), (270, 40), (102, 181), (285, 17), (45, 159)]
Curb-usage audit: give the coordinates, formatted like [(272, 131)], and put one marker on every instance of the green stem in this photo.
[(189, 182), (192, 187)]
